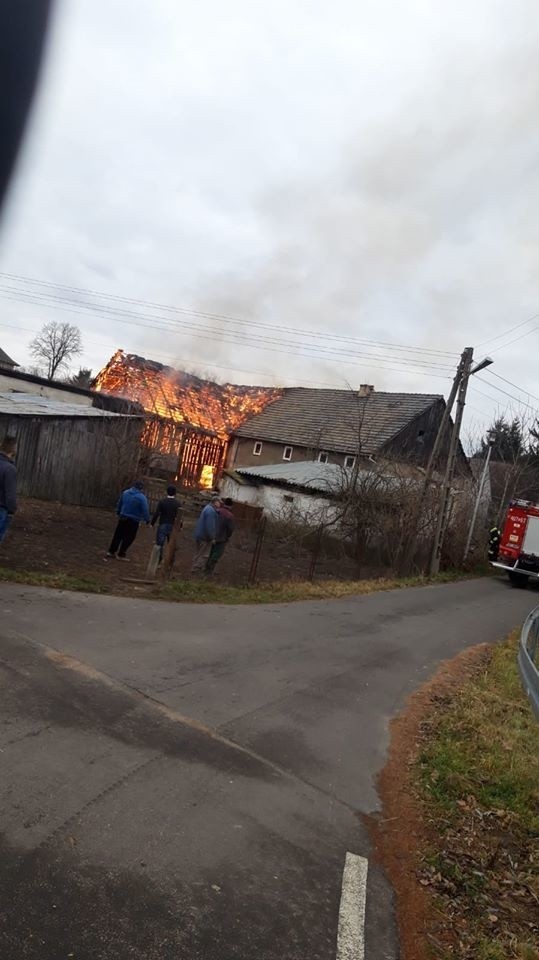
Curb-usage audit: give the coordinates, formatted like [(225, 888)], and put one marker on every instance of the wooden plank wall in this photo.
[(79, 460)]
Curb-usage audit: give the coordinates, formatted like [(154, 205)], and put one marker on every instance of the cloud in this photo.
[(367, 169)]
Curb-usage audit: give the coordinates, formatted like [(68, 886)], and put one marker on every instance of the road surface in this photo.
[(184, 782)]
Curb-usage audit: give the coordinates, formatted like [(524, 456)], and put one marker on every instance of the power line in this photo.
[(510, 395), (511, 384), (234, 337), (515, 340), (62, 289), (507, 332)]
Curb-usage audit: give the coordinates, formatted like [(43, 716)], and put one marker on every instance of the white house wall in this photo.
[(14, 385), (281, 503)]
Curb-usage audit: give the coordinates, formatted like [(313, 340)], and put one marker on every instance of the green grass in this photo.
[(60, 581), (208, 591), (485, 745), (478, 778)]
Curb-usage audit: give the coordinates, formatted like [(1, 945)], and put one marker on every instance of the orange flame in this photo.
[(175, 395)]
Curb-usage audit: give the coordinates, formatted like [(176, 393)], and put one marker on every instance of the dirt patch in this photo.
[(401, 833), (62, 539)]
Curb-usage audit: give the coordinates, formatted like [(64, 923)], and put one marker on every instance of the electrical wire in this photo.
[(507, 332), (62, 290), (510, 395), (232, 337), (511, 384), (515, 340)]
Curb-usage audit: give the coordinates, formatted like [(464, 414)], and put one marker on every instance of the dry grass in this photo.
[(208, 591), (478, 777)]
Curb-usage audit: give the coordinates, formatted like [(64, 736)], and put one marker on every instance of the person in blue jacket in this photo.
[(205, 533), (132, 510)]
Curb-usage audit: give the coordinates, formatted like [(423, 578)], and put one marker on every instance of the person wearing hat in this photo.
[(132, 510), (205, 533)]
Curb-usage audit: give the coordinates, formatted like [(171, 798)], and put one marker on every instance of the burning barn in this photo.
[(190, 419)]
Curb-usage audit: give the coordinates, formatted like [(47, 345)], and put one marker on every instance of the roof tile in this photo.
[(336, 420)]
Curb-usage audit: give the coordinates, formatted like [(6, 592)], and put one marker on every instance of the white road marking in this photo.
[(351, 931)]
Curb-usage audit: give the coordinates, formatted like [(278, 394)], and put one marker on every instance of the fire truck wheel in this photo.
[(518, 579)]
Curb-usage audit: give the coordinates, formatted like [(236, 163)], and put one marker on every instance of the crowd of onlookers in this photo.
[(212, 532)]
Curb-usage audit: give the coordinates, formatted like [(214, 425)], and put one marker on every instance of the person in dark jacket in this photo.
[(166, 514), (494, 537), (205, 533), (132, 510), (225, 529), (8, 485)]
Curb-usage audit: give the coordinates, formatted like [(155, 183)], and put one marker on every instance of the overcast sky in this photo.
[(360, 168)]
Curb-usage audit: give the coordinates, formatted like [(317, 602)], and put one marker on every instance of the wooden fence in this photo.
[(77, 460)]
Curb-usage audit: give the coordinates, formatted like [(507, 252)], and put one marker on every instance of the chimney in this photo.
[(366, 389)]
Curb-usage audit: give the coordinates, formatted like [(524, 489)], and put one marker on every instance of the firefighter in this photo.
[(494, 537)]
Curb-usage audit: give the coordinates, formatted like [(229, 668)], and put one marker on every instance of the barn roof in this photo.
[(336, 420), (34, 405)]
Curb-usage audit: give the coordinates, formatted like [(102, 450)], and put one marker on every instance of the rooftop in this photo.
[(5, 359), (312, 475), (34, 405), (336, 420)]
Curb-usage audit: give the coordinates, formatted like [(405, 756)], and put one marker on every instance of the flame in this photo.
[(176, 395), (207, 477)]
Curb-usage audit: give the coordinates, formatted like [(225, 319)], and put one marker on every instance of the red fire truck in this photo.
[(518, 552)]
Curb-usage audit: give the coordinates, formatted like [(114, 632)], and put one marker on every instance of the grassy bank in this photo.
[(478, 778), (208, 591)]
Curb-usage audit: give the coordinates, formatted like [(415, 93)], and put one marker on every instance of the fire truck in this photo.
[(518, 552)]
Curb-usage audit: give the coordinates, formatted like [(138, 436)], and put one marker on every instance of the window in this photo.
[(257, 449), (288, 498), (421, 436), (323, 458), (287, 453), (349, 462)]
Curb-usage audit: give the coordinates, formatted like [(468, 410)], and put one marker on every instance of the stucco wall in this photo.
[(241, 454), (12, 385), (282, 503)]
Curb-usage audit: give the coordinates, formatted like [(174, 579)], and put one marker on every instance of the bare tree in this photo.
[(55, 345)]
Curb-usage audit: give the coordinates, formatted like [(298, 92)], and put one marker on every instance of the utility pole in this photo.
[(477, 501), (443, 510), (432, 461)]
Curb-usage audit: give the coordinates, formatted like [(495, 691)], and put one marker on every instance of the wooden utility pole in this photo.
[(431, 465), (445, 491)]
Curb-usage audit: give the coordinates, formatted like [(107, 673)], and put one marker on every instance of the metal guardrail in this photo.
[(528, 658)]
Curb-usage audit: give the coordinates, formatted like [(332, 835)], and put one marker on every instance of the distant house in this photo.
[(6, 363), (339, 426), (307, 491)]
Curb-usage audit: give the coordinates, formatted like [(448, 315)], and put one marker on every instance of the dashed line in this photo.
[(351, 930)]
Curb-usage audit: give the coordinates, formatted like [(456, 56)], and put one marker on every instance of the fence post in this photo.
[(169, 555), (315, 554), (256, 552)]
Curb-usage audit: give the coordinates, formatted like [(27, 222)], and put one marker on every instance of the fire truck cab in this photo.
[(518, 553)]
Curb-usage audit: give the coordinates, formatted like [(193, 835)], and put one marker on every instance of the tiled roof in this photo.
[(336, 420)]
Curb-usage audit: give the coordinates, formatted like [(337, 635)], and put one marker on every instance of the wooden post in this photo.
[(153, 562), (315, 554), (256, 552), (169, 555)]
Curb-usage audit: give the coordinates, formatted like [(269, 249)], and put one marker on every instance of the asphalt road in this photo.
[(184, 782)]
